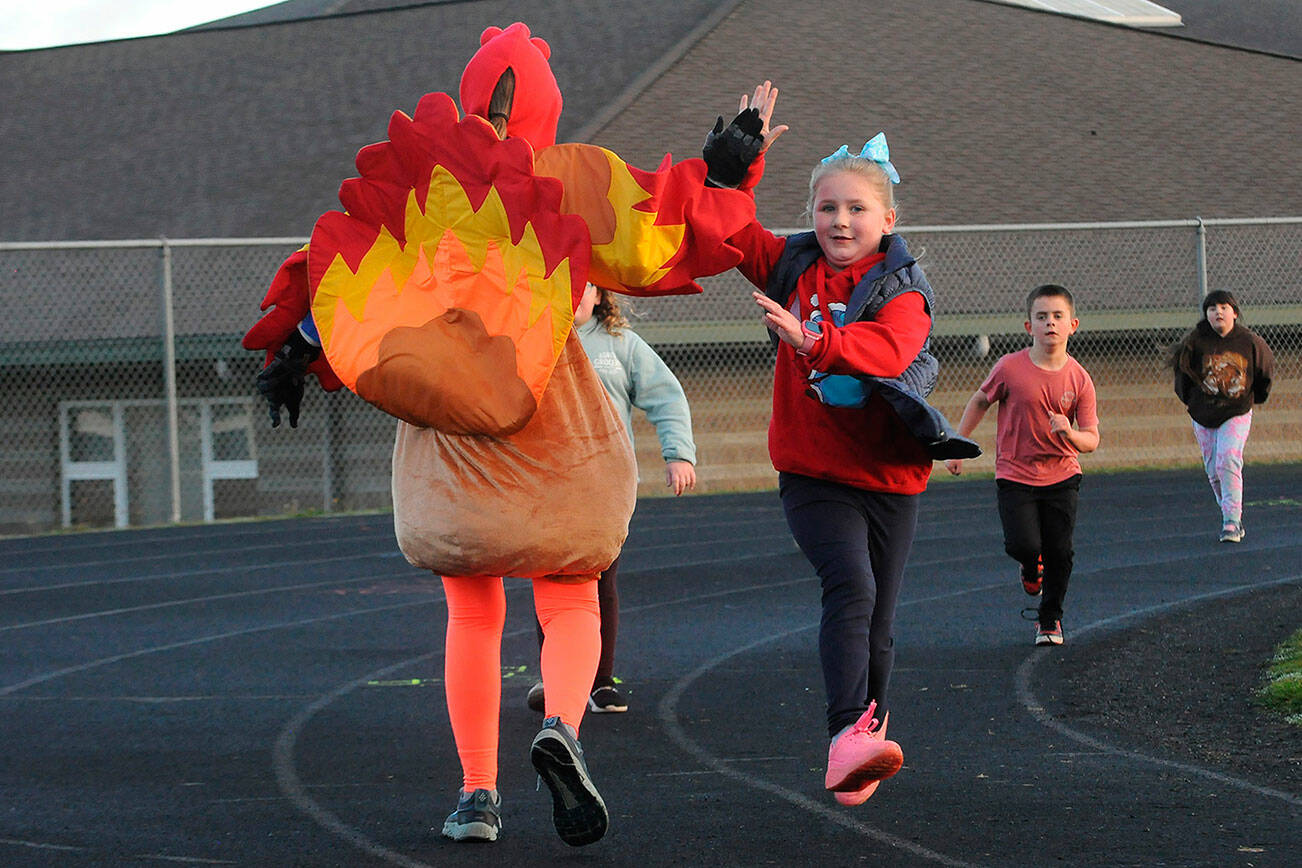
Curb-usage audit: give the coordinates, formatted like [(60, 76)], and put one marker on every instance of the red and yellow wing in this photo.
[(652, 233), (445, 291)]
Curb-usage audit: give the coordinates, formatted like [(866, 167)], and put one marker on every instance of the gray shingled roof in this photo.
[(247, 131), (1262, 25), (994, 113)]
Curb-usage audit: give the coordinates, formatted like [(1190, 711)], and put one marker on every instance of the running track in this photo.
[(269, 694)]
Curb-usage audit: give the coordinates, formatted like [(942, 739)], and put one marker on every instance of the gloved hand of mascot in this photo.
[(729, 151), (281, 381)]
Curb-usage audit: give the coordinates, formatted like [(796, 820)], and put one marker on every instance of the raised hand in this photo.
[(762, 101), (729, 151)]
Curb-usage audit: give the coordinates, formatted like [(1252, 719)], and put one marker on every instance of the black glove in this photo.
[(281, 381), (729, 152)]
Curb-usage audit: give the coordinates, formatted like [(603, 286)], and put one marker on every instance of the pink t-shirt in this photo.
[(1026, 450)]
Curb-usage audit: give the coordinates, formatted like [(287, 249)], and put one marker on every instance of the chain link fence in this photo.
[(130, 402)]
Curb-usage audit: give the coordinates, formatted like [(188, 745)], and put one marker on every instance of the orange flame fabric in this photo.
[(444, 294), (446, 217), (652, 232), (447, 220)]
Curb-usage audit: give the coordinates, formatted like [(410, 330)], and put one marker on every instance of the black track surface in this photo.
[(270, 694)]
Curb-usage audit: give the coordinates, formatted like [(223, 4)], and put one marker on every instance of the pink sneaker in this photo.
[(858, 797), (859, 758)]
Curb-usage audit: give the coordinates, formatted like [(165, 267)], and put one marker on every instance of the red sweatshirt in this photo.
[(865, 447)]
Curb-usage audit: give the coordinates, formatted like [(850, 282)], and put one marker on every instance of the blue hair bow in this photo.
[(874, 149)]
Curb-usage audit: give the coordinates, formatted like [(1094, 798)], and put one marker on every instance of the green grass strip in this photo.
[(1283, 690)]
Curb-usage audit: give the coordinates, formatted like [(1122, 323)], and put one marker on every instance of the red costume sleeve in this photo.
[(652, 233), (289, 302)]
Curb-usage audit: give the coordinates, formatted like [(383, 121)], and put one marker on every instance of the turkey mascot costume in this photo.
[(444, 294)]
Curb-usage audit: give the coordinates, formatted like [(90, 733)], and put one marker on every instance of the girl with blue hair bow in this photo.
[(851, 313)]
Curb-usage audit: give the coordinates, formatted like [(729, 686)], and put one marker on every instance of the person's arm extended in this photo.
[(657, 392), (973, 412)]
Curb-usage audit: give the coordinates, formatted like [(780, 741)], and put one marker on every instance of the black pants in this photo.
[(857, 542), (1039, 521)]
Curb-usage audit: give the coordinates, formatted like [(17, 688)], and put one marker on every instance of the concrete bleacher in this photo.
[(1142, 423)]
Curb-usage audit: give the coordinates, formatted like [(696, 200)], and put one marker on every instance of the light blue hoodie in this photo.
[(634, 376)]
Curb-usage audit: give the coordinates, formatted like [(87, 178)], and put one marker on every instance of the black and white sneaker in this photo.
[(606, 699), (577, 809), (1048, 634), (478, 817)]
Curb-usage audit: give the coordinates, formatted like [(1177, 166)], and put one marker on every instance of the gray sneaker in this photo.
[(577, 809), (1232, 532), (478, 817)]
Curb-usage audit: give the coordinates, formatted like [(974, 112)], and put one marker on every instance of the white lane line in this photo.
[(287, 777), (89, 540), (1027, 697), (166, 700), (668, 711), (41, 845), (216, 637), (106, 613), (283, 752), (696, 542), (172, 553), (203, 571), (1114, 564), (185, 860)]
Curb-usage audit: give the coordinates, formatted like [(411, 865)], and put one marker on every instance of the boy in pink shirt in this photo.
[(1041, 391)]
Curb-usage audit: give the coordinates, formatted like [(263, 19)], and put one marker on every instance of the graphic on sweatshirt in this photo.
[(1225, 374)]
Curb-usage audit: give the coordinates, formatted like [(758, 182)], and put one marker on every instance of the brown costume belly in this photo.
[(553, 499)]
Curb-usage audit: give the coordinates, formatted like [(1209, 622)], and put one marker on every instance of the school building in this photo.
[(154, 184)]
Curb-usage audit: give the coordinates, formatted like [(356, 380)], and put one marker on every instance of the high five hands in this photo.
[(729, 151), (763, 101)]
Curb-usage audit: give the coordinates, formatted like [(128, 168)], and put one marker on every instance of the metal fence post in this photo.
[(169, 379), (1201, 254)]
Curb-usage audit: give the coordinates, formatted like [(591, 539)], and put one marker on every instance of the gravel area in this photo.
[(1183, 686)]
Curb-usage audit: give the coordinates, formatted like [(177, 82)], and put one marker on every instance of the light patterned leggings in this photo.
[(1223, 460)]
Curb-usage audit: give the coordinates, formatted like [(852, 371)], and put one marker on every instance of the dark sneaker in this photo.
[(1051, 635), (478, 817), (577, 809), (1034, 586), (1232, 532), (606, 699), (536, 699)]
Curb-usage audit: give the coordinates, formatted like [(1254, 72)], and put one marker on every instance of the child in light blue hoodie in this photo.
[(634, 376)]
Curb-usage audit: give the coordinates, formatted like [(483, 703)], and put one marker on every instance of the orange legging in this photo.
[(472, 667)]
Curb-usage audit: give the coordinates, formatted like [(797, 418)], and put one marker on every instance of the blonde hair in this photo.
[(609, 312), (870, 171), (501, 102)]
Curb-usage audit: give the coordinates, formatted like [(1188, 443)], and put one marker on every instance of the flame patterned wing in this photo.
[(444, 292), (652, 233)]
